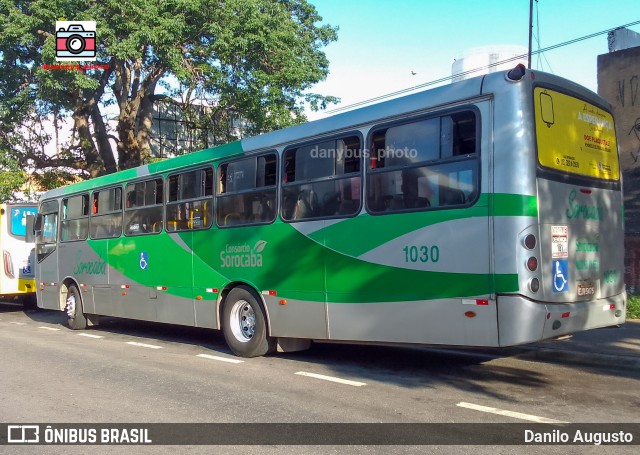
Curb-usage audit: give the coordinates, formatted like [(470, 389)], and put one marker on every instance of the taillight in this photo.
[(534, 285), (8, 264), (530, 241)]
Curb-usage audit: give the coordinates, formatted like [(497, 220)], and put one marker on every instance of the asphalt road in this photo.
[(129, 372)]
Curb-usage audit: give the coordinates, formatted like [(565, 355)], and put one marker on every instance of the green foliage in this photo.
[(255, 58), (11, 177), (633, 307)]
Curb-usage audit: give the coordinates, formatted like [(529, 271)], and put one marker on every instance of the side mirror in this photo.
[(34, 224)]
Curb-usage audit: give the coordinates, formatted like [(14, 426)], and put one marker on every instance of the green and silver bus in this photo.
[(483, 213), (17, 280)]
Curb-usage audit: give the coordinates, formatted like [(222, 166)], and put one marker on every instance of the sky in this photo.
[(380, 43)]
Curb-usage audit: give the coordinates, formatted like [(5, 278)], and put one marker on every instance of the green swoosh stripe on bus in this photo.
[(374, 281), (373, 231), (364, 282)]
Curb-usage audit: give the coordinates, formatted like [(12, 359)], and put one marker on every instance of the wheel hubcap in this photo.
[(243, 321), (70, 307)]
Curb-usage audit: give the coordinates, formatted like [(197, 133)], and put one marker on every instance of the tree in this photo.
[(256, 58), (11, 177)]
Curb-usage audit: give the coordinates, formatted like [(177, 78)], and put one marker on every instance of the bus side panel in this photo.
[(390, 294), (117, 295), (208, 279), (440, 321), (140, 277), (90, 270), (77, 260), (297, 319), (277, 259), (136, 302), (175, 273)]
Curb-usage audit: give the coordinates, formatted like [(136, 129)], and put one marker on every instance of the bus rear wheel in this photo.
[(77, 319), (244, 324)]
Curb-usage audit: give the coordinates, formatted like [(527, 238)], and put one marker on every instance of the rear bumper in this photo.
[(19, 287), (26, 285), (521, 320)]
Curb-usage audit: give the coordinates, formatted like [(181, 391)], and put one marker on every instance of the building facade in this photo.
[(619, 83)]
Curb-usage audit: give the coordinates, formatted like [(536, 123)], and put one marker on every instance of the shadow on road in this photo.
[(609, 351)]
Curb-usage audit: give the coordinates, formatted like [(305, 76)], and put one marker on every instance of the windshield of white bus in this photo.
[(18, 220)]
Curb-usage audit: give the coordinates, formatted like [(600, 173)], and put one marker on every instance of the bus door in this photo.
[(47, 274)]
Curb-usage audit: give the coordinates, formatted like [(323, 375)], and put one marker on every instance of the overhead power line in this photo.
[(465, 73)]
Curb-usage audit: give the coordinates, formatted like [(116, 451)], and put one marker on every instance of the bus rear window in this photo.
[(574, 136)]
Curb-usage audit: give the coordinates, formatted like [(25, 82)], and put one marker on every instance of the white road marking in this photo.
[(331, 378), (221, 359), (53, 329), (18, 323), (142, 345), (89, 335), (502, 412)]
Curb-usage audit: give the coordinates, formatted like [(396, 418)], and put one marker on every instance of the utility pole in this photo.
[(530, 32)]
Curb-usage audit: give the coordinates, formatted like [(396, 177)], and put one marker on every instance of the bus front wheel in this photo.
[(77, 319), (244, 324)]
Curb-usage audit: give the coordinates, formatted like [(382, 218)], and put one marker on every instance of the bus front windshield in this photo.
[(18, 220)]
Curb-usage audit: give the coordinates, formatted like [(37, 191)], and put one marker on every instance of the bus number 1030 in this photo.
[(421, 253)]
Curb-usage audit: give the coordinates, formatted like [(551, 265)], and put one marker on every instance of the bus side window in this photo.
[(451, 196), (144, 210), (247, 193), (106, 217), (75, 221), (423, 164), (306, 204), (190, 200), (322, 180)]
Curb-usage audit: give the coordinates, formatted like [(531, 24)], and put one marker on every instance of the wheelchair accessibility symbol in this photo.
[(144, 261), (560, 276)]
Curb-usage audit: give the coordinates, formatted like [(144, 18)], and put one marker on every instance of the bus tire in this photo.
[(245, 325), (77, 319)]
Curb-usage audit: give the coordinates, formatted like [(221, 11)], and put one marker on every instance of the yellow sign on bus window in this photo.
[(575, 136)]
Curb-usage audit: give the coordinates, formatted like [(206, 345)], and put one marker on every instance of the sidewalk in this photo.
[(613, 346)]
